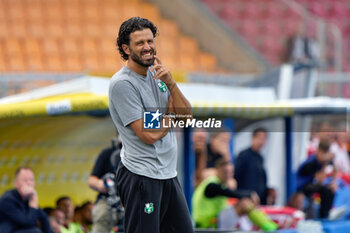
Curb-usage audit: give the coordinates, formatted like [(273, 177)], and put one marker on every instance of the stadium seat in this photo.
[(249, 28), (36, 29), (274, 9), (52, 29), (13, 46), (91, 10), (339, 8), (230, 12), (73, 63), (15, 10), (17, 29), (107, 46), (272, 27), (89, 46), (188, 45), (32, 46), (35, 62), (150, 11), (318, 8), (69, 11), (4, 29), (207, 62), (17, 63), (252, 9), (34, 11), (50, 46), (92, 29), (70, 46), (3, 66), (74, 29), (92, 64), (53, 63)]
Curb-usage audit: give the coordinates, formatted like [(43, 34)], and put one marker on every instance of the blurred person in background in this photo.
[(302, 48), (66, 204), (207, 153), (56, 218), (107, 212), (218, 146), (200, 140), (297, 201), (82, 219), (210, 200), (250, 173), (19, 208), (311, 176), (341, 156)]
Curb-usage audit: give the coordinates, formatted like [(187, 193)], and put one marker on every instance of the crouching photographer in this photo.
[(107, 213)]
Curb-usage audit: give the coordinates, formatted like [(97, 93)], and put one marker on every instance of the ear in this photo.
[(126, 49)]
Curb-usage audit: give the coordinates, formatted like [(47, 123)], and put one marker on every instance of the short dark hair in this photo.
[(85, 204), (324, 145), (217, 131), (259, 130), (129, 26), (221, 162), (18, 170), (59, 200)]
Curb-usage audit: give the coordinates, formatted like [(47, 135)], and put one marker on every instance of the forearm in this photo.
[(150, 136), (181, 105), (214, 190), (96, 184)]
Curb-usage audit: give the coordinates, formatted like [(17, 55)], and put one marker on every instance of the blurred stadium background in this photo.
[(236, 43)]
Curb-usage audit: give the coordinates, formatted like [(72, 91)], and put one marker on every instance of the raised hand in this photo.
[(162, 72)]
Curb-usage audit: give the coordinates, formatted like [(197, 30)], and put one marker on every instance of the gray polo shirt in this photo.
[(130, 94)]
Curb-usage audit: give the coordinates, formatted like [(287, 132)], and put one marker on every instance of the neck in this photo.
[(137, 68), (255, 149)]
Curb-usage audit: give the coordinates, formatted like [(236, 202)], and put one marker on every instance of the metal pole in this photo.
[(189, 166), (230, 124), (290, 182)]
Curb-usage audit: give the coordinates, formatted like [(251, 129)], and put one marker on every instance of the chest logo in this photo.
[(162, 86), (148, 208)]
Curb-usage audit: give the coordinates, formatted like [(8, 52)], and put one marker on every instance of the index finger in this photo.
[(158, 59)]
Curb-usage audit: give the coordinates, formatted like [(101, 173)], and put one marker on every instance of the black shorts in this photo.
[(151, 205)]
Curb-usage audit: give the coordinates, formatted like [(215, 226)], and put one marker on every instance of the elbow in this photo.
[(148, 139)]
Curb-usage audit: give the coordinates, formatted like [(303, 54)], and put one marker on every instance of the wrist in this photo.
[(101, 186), (170, 84)]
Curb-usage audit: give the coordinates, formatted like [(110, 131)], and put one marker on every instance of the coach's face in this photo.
[(141, 48)]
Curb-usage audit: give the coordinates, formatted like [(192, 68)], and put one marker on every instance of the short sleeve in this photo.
[(127, 102), (100, 167)]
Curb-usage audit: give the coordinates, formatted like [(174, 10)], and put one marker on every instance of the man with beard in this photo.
[(147, 177)]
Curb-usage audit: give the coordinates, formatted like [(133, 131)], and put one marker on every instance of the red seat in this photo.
[(249, 27), (271, 45), (271, 27), (319, 9), (252, 9), (274, 9), (230, 12), (338, 9), (290, 27)]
